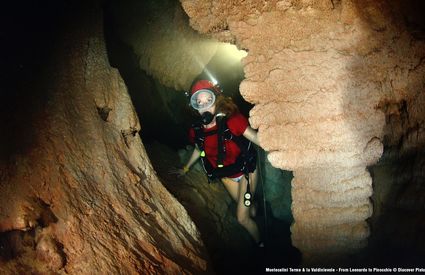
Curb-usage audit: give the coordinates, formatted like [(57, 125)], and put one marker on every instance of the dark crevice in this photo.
[(128, 136), (61, 252), (28, 32), (46, 216), (154, 103), (104, 112), (13, 243)]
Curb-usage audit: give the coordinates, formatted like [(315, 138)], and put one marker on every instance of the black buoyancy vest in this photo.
[(245, 162)]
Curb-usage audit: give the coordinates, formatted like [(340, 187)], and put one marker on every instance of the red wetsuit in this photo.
[(237, 124)]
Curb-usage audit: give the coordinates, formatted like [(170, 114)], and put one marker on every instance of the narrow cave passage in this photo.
[(79, 194), (165, 119)]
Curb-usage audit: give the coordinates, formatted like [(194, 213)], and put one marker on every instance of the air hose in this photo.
[(260, 175)]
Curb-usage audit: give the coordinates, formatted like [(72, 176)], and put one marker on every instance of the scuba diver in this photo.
[(223, 141)]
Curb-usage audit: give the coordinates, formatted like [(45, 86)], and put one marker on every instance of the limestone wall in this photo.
[(84, 198)]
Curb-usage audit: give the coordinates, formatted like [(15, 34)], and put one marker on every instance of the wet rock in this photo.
[(49, 251), (85, 190)]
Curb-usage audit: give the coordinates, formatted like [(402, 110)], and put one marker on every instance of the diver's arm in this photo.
[(251, 135), (182, 171), (193, 158)]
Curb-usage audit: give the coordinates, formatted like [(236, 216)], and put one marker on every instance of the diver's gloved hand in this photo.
[(179, 172)]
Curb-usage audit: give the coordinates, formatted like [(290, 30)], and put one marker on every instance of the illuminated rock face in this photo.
[(319, 73), (84, 199), (167, 48), (165, 45)]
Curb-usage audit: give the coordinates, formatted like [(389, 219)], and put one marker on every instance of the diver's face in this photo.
[(205, 102)]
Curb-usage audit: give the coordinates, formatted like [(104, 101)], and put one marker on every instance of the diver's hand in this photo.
[(179, 172)]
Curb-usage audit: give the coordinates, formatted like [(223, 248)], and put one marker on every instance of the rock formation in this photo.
[(319, 72), (83, 198), (166, 46)]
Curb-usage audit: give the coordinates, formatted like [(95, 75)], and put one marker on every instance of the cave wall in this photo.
[(166, 46), (325, 76), (83, 197), (399, 179)]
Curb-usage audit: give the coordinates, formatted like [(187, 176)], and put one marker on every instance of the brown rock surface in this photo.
[(319, 73), (84, 197), (211, 208)]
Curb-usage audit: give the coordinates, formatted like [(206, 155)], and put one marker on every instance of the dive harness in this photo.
[(245, 162)]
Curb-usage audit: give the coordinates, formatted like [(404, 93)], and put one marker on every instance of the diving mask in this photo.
[(202, 99)]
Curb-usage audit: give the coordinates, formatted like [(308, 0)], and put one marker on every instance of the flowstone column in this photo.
[(320, 122)]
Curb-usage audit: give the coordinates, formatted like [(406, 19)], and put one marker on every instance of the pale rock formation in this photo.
[(84, 199), (319, 73), (166, 46)]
